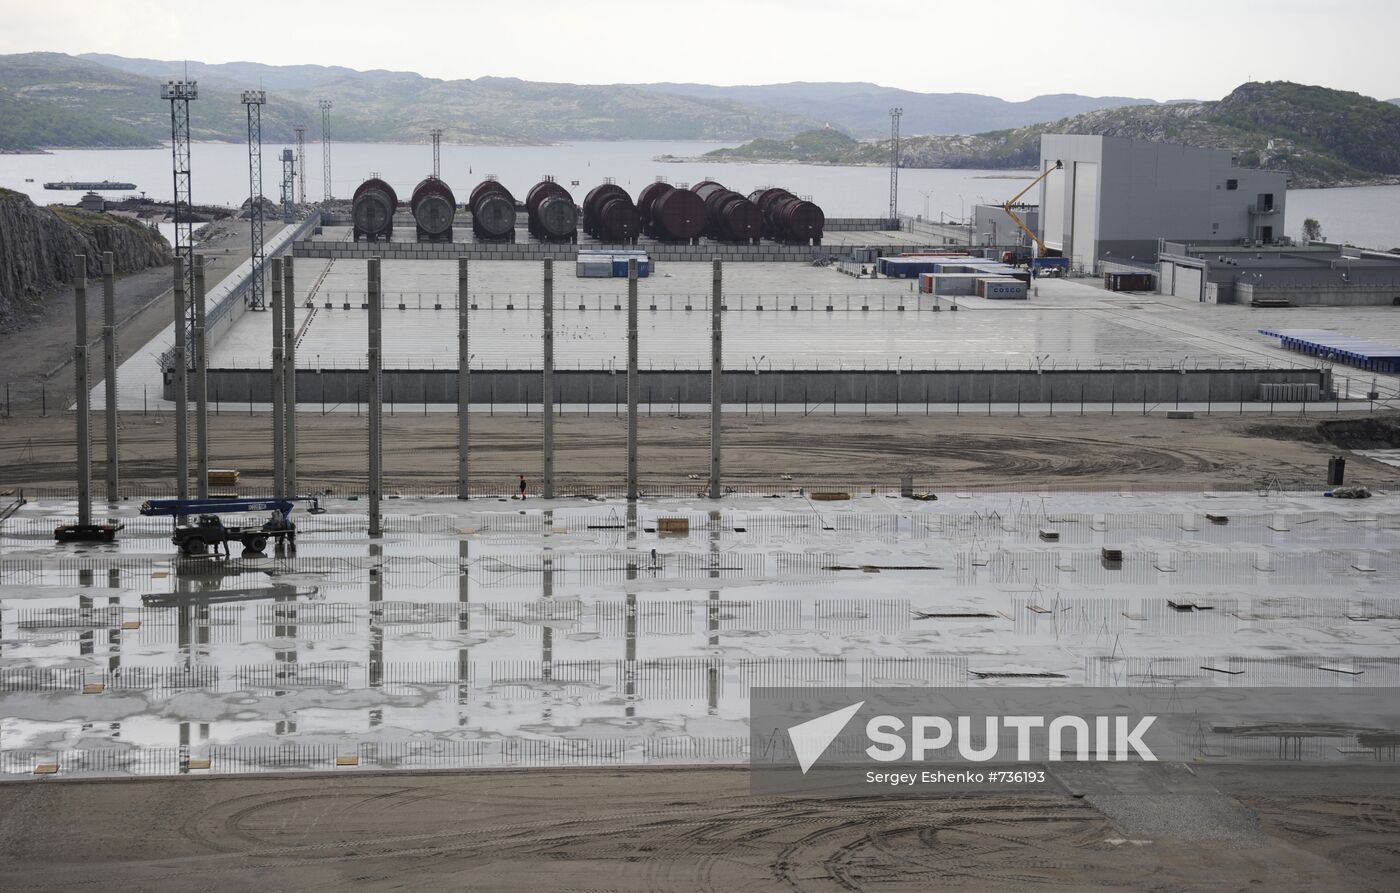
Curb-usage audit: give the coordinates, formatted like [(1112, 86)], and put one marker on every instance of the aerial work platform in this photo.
[(1375, 356)]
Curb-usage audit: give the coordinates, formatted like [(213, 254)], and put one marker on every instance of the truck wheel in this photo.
[(196, 547), (256, 543)]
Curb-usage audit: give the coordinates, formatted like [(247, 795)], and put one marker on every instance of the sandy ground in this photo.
[(1063, 452), (669, 830)]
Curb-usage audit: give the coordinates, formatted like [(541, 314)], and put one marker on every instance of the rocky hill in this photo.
[(1322, 137), (37, 246)]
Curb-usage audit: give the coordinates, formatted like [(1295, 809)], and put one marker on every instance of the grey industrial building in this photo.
[(991, 225), (1315, 274), (1114, 198)]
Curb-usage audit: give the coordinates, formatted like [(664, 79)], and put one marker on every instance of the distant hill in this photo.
[(374, 106), (27, 125), (862, 109), (1322, 137)]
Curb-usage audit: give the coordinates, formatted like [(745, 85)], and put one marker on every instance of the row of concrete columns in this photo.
[(464, 357), (83, 385), (284, 382)]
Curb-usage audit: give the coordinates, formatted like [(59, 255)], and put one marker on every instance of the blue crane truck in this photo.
[(207, 532)]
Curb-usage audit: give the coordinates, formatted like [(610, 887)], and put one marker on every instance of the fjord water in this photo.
[(1367, 216)]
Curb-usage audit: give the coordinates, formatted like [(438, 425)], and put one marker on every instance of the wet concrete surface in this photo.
[(493, 634)]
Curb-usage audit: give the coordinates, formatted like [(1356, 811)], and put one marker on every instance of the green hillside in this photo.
[(100, 100), (31, 124), (1323, 137)]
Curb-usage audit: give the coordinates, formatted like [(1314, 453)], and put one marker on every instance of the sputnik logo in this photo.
[(810, 739)]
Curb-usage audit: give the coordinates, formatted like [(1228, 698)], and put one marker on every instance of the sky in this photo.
[(1184, 49)]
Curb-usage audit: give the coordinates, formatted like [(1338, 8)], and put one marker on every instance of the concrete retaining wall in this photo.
[(788, 387), (767, 252), (1322, 296)]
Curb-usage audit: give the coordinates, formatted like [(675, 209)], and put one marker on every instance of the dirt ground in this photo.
[(944, 452), (660, 829)]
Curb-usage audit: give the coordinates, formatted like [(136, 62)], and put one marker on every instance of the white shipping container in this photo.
[(1004, 289), (954, 283), (594, 267)]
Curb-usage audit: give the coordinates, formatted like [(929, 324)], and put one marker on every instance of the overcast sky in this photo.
[(1197, 49)]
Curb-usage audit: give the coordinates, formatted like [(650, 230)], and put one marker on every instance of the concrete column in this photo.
[(716, 375), (182, 388), (547, 379), (376, 403), (109, 372), (80, 382), (201, 385), (464, 378), (279, 369), (289, 376), (633, 380)]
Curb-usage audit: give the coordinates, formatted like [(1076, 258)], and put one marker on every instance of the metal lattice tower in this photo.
[(895, 115), (325, 149), (179, 94), (253, 100), (289, 175), (436, 133), (301, 163)]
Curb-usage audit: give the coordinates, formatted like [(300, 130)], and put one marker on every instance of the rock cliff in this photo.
[(37, 246)]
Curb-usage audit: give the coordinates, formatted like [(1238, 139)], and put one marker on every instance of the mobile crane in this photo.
[(1041, 250), (208, 531)]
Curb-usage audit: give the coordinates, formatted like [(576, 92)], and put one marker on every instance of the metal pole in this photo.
[(716, 375), (279, 368), (80, 382), (289, 376), (182, 386), (109, 357), (464, 380), (201, 385), (547, 379), (633, 381), (376, 402)]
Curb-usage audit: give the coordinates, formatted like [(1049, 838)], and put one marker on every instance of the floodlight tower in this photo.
[(895, 115), (253, 101), (180, 94), (301, 163), (437, 152), (289, 211), (325, 149)]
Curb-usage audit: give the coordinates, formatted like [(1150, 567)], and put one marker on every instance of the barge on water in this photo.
[(90, 185)]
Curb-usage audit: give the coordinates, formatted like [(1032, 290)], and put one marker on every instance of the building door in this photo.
[(1266, 234), (1084, 234), (1052, 211), (1187, 283)]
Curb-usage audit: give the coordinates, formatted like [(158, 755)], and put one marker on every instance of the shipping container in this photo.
[(949, 283), (1128, 282), (604, 265), (594, 268), (1001, 288)]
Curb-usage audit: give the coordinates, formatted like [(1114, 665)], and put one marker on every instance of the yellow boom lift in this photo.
[(1040, 248)]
